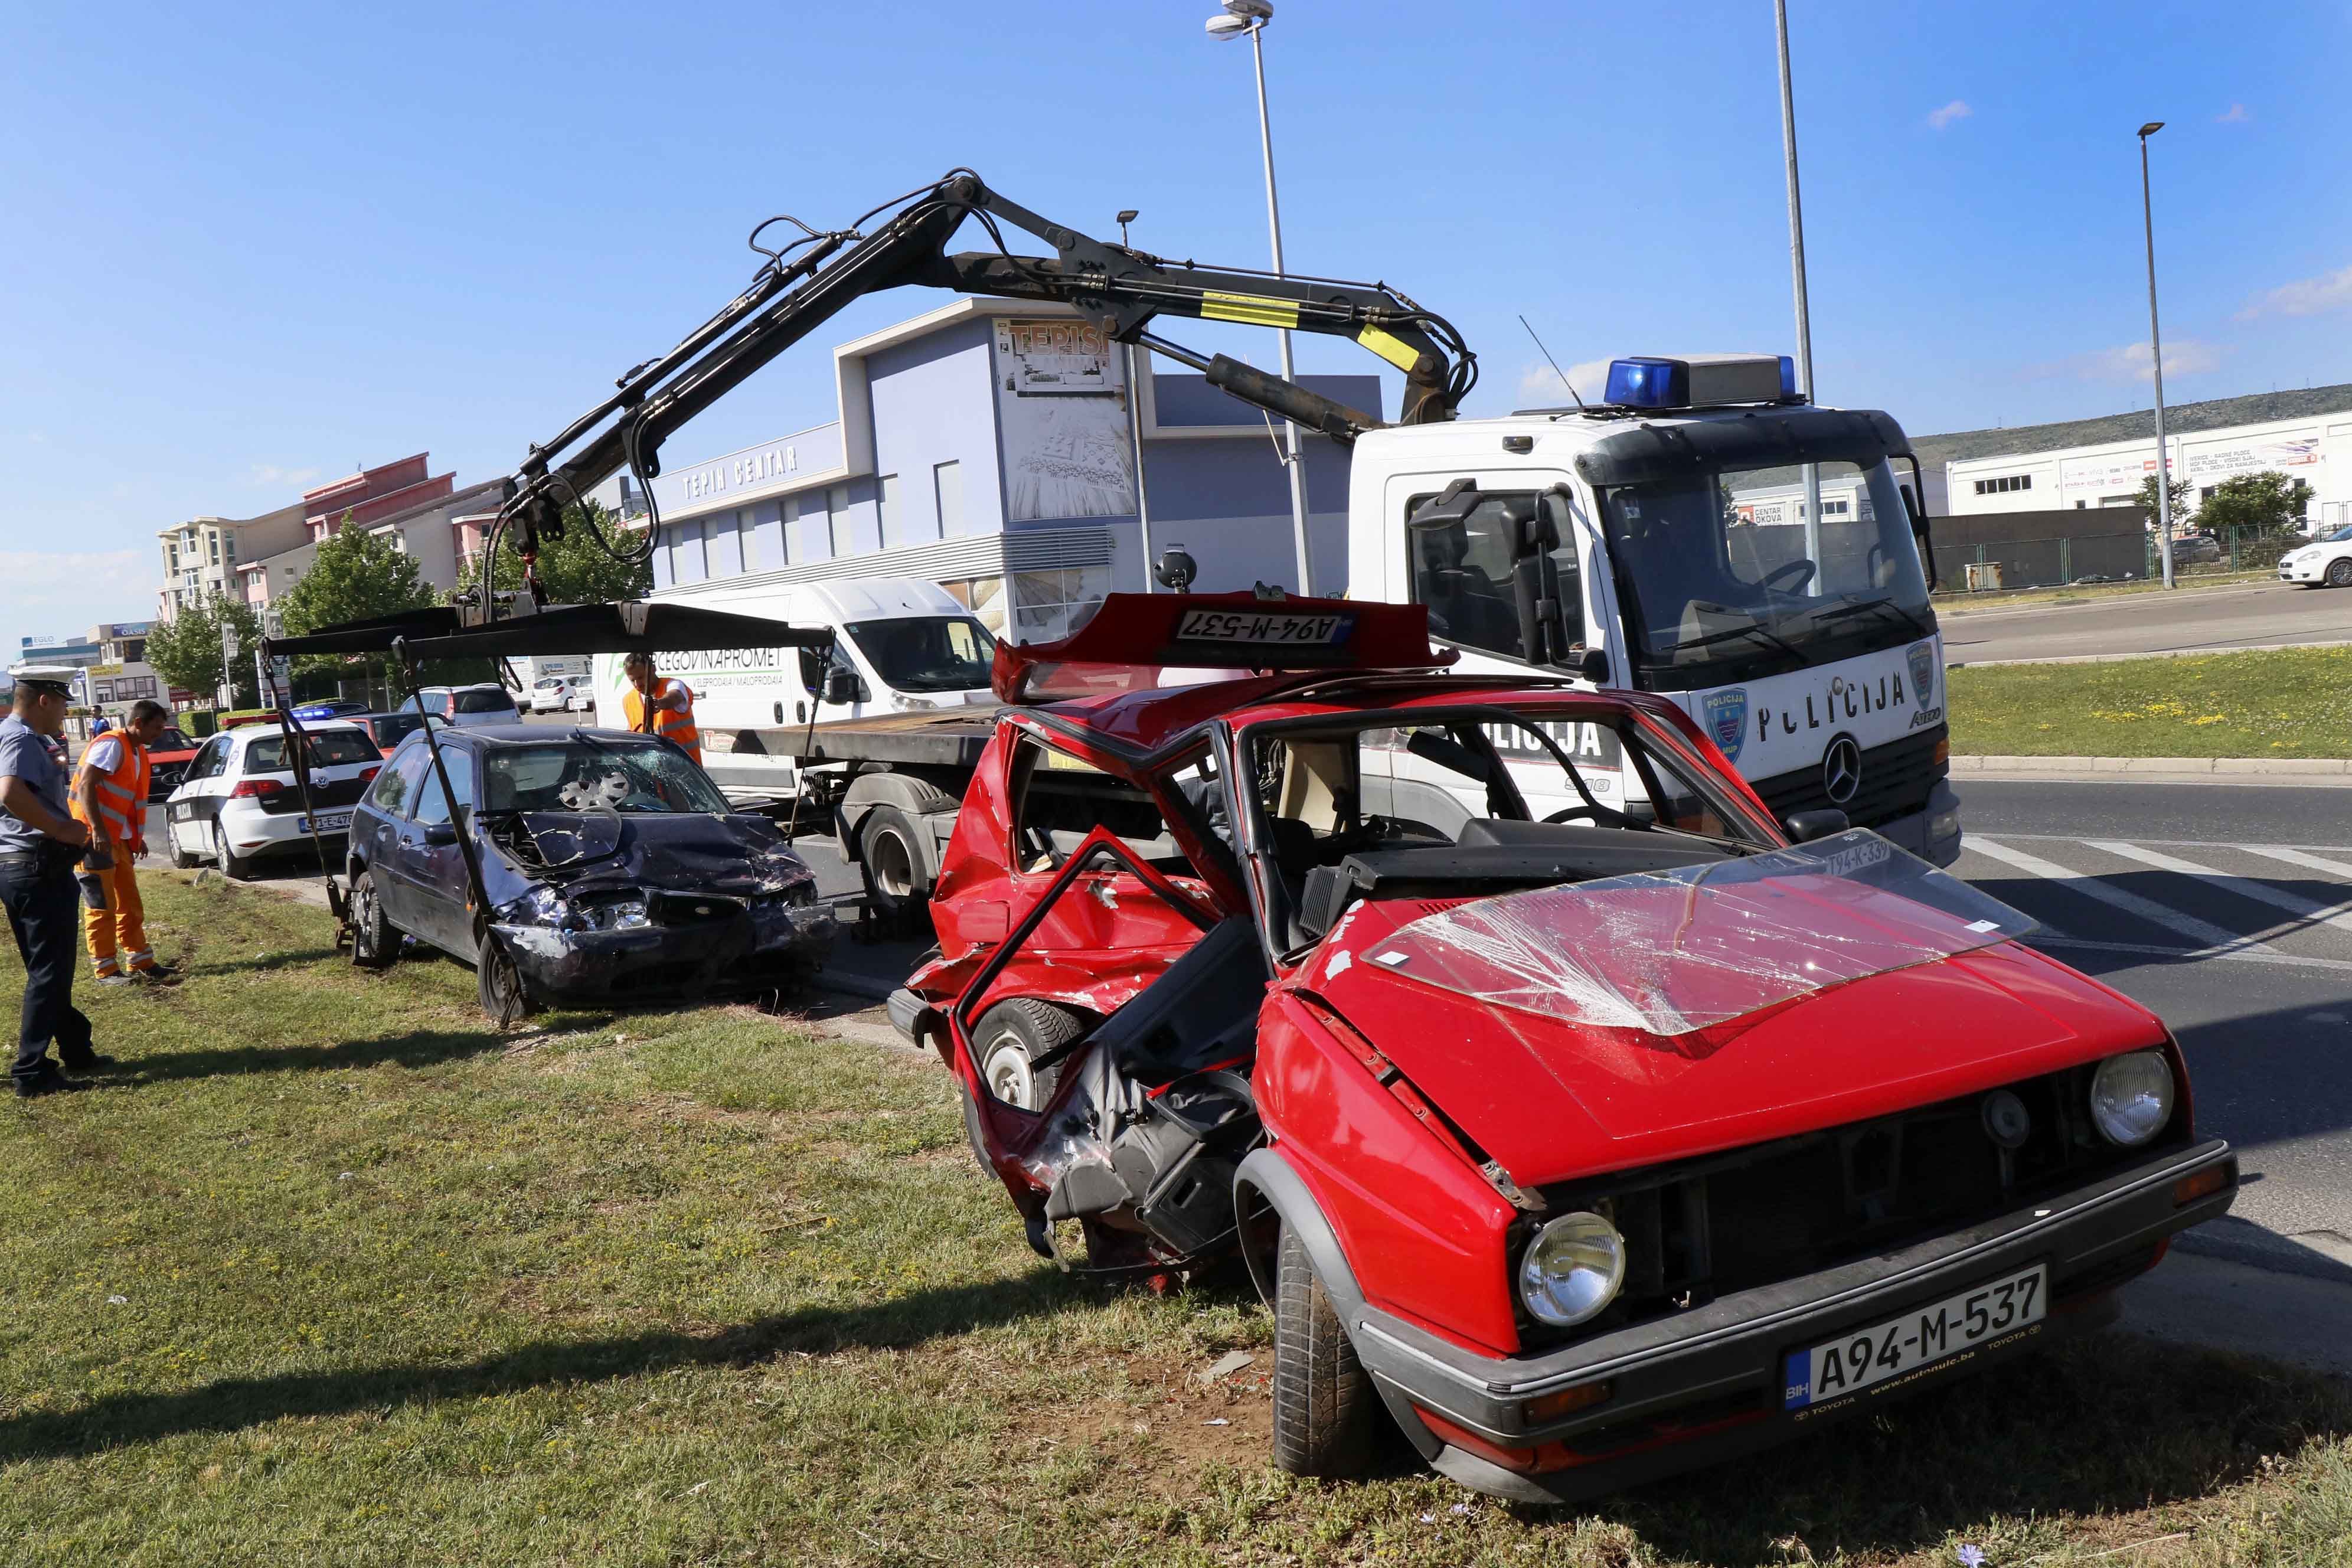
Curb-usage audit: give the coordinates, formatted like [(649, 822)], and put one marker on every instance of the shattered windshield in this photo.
[(1675, 950), (927, 653), (1740, 573), (596, 775)]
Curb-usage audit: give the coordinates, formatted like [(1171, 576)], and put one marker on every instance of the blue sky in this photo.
[(250, 247)]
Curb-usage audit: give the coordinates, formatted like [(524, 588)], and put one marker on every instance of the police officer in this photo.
[(40, 841), (659, 705)]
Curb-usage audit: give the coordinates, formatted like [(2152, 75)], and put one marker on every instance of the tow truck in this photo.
[(1701, 533)]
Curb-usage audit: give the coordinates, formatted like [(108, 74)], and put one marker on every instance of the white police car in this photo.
[(239, 802), (2327, 559)]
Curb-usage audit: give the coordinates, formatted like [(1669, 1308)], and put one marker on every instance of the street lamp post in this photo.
[(1135, 430), (1812, 472), (2156, 361), (1249, 18)]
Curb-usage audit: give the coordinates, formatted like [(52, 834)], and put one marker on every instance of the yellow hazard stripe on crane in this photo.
[(1390, 347), (1255, 309)]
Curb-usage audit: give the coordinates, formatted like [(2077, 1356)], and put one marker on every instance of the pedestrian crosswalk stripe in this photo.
[(2202, 932), (2244, 887), (2295, 857), (2213, 942)]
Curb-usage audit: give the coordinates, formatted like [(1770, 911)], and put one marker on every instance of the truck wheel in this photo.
[(375, 944), (1323, 1399), (894, 865), (499, 985), (1011, 1036)]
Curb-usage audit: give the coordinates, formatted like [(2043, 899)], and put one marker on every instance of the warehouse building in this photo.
[(2084, 464), (988, 446)]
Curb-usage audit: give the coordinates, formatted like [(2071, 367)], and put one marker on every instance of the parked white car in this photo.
[(555, 694), (467, 706), (239, 802), (2327, 559)]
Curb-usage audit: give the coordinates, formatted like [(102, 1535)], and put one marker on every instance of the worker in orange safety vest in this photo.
[(110, 798), (660, 705)]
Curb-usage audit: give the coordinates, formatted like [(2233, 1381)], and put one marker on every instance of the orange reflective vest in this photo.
[(119, 792), (671, 723)]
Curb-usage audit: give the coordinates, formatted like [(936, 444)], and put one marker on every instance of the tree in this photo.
[(2145, 499), (573, 569), (355, 576), (186, 649), (2265, 502)]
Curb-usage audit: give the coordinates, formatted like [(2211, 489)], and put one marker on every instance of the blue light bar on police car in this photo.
[(1701, 381)]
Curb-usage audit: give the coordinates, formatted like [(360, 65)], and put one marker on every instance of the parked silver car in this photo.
[(467, 706)]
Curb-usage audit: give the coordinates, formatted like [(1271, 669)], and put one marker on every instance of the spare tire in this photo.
[(1011, 1036)]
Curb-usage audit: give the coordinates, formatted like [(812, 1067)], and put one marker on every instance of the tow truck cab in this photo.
[(1702, 534)]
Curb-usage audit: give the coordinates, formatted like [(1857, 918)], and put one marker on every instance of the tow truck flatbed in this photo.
[(941, 738)]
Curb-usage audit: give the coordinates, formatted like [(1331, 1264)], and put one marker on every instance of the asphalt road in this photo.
[(2229, 912), (2210, 620), (2226, 909)]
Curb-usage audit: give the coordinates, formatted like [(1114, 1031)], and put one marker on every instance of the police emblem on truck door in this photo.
[(1727, 720), (1923, 672)]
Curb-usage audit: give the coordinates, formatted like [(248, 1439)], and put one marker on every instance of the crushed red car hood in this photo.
[(1549, 1098)]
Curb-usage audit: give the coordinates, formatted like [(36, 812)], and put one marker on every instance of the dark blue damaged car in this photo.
[(614, 871)]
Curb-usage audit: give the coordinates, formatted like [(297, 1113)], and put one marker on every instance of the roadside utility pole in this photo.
[(2155, 363), (1812, 473)]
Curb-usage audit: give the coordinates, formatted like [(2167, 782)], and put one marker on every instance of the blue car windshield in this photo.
[(596, 775)]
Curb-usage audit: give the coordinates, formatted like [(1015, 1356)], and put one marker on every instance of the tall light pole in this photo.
[(1248, 18), (2156, 361), (1135, 430), (1812, 474)]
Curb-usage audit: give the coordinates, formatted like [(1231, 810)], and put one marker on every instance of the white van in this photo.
[(907, 641)]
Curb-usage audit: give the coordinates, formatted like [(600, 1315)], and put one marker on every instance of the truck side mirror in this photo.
[(1593, 666), (840, 685)]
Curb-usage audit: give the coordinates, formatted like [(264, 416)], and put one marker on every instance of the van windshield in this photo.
[(1731, 580), (927, 653)]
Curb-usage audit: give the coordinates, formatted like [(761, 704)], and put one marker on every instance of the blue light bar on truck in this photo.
[(1701, 381)]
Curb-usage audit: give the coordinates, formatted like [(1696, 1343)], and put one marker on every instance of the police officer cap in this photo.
[(55, 678)]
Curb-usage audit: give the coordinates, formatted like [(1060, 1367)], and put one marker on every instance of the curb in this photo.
[(2153, 653), (856, 985), (2241, 766)]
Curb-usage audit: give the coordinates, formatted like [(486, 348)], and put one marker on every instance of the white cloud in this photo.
[(2304, 297), (271, 474), (57, 592), (1539, 383), (2237, 115), (2131, 362), (1956, 109)]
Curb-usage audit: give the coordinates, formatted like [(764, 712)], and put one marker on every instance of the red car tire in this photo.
[(1323, 1398)]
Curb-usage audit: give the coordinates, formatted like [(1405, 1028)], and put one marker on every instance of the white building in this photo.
[(2306, 434)]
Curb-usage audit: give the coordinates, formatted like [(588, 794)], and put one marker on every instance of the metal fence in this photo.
[(2113, 557)]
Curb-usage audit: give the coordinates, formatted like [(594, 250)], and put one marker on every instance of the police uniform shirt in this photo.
[(24, 754)]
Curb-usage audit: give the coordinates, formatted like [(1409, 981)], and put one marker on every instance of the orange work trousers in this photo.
[(118, 934)]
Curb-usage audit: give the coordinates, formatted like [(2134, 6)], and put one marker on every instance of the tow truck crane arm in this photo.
[(1121, 290)]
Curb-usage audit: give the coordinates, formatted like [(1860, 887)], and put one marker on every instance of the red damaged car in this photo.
[(1572, 1113)]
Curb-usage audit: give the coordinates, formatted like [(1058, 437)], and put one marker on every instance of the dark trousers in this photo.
[(45, 917)]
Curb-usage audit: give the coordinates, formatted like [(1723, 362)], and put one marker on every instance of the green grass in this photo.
[(708, 1287), (2283, 702)]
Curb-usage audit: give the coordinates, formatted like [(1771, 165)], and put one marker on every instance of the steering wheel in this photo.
[(1788, 569), (1569, 813)]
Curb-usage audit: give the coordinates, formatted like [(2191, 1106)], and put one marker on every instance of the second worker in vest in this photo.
[(110, 797), (660, 705)]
